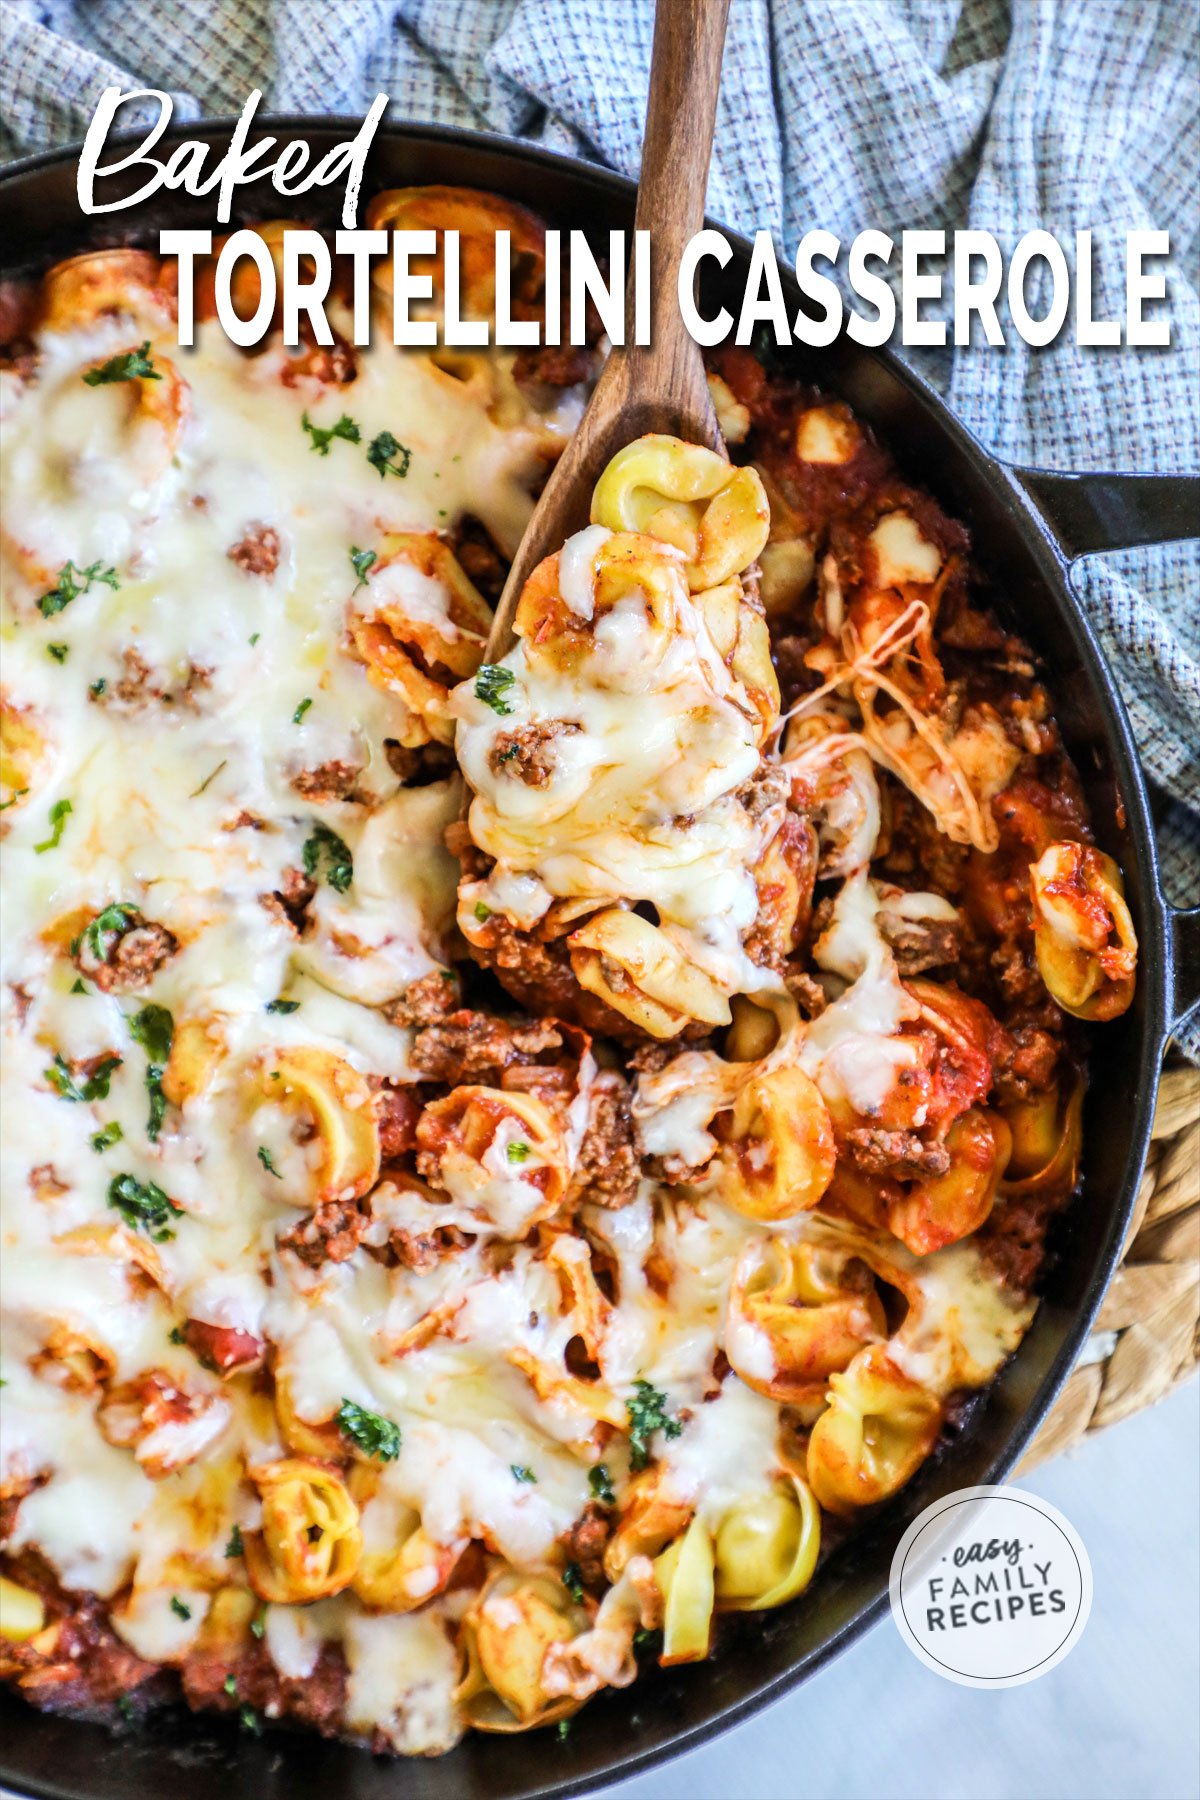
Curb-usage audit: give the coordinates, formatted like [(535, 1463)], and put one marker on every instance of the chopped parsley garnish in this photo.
[(59, 652), (283, 1006), (378, 1436), (212, 776), (562, 1730), (298, 715), (383, 449), (521, 1472), (482, 912), (97, 688), (268, 1162), (323, 435), (601, 1485), (249, 1720), (59, 814), (175, 1335), (179, 1609), (154, 1029), (70, 583), (235, 1546), (114, 920), (648, 1414), (258, 1625), (143, 1206), (125, 1707), (644, 1640), (492, 682), (77, 986), (95, 1087), (325, 848), (572, 1580), (230, 1685), (517, 1153), (362, 562), (128, 365), (105, 1138), (17, 794), (255, 639)]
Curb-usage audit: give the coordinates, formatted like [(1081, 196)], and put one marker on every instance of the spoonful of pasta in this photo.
[(659, 387)]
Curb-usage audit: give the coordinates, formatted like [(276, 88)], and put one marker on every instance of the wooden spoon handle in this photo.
[(685, 77)]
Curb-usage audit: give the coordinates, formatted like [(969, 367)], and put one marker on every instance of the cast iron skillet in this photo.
[(1027, 527)]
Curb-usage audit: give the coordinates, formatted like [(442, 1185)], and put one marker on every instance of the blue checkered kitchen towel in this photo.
[(1000, 114)]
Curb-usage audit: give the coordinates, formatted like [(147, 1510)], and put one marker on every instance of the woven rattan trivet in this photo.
[(1147, 1334)]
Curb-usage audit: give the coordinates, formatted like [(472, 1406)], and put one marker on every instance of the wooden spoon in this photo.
[(659, 386)]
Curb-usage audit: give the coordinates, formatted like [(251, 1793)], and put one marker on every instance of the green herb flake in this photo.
[(562, 1730), (323, 435), (492, 683), (97, 688), (105, 1138), (17, 794), (143, 1206), (298, 715), (70, 582), (518, 1152), (482, 912), (108, 924), (572, 1580), (60, 812), (283, 1006), (644, 1640), (128, 365), (258, 1625), (154, 1029), (362, 562), (93, 1087), (211, 776), (179, 1609), (522, 1472), (125, 1707), (77, 986), (59, 652), (648, 1414), (268, 1162), (601, 1485), (325, 850), (235, 1546), (175, 1335), (230, 1685), (379, 1437), (255, 639), (249, 1721), (381, 454)]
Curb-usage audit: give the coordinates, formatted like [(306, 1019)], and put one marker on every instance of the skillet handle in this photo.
[(1110, 511), (1183, 933)]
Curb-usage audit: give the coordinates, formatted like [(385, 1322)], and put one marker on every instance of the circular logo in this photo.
[(991, 1587)]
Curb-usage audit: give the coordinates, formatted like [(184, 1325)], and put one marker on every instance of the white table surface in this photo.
[(1116, 1720)]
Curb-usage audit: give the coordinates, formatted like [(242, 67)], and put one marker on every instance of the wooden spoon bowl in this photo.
[(659, 386)]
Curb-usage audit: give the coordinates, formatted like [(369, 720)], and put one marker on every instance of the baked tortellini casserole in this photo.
[(501, 1158)]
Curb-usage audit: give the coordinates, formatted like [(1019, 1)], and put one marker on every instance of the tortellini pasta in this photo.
[(875, 1433), (507, 1633), (690, 497), (761, 1553), (778, 1152), (310, 1543), (422, 628), (333, 1098), (1085, 940), (799, 1312)]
